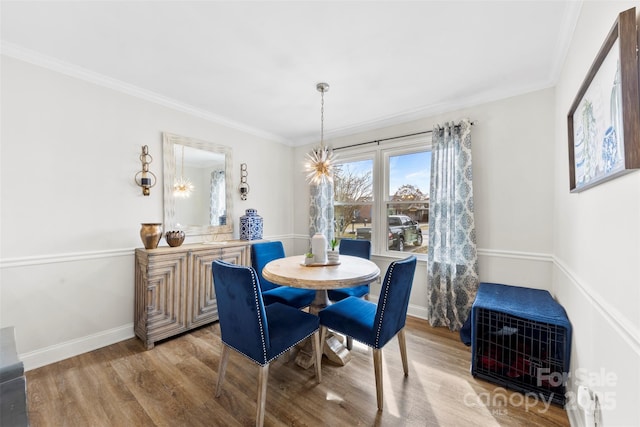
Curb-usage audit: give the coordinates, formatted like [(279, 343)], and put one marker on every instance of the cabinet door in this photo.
[(166, 279), (204, 308)]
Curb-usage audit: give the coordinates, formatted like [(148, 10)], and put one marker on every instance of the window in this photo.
[(389, 183), (353, 205)]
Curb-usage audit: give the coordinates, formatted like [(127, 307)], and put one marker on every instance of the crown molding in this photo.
[(54, 64), (569, 22)]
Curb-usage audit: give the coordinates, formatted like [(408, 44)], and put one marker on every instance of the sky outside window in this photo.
[(410, 169)]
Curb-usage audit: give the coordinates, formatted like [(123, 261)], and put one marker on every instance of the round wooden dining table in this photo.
[(349, 271)]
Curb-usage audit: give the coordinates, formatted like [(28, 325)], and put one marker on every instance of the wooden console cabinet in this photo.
[(174, 287)]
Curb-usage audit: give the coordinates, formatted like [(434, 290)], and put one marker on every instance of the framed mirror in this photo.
[(205, 207)]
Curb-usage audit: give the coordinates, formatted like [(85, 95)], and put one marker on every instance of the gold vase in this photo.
[(151, 233)]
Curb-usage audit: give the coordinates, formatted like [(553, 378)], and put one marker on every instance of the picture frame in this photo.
[(604, 119)]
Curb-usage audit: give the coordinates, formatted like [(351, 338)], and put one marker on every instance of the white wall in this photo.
[(596, 273), (512, 147), (71, 213)]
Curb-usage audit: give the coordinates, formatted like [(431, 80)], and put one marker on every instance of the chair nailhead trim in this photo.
[(384, 303), (264, 344), (256, 296), (274, 357)]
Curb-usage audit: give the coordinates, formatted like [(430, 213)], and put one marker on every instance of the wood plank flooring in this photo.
[(173, 385)]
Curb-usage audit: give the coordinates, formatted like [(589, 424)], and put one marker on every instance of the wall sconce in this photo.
[(244, 187), (143, 178)]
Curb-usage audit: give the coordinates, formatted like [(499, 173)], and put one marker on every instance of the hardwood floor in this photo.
[(173, 385)]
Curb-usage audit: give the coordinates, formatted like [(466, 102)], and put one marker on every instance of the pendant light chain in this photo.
[(322, 118)]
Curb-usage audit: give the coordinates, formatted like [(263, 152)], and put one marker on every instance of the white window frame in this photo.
[(380, 182)]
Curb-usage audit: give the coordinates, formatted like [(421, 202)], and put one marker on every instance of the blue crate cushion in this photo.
[(532, 304)]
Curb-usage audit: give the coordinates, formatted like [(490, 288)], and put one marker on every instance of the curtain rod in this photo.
[(378, 141)]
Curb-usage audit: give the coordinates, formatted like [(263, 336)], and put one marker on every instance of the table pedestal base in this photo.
[(336, 351), (333, 348)]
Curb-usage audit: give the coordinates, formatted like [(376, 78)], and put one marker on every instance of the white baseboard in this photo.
[(413, 310), (574, 418), (64, 350)]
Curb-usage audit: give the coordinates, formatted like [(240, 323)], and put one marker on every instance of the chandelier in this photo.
[(182, 187), (319, 164)]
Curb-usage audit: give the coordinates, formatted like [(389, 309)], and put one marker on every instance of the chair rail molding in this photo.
[(629, 333), (65, 257), (532, 256)]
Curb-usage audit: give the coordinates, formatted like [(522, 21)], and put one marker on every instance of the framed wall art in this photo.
[(604, 119)]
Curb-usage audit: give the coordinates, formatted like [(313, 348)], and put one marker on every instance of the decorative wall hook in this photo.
[(243, 187), (144, 177)]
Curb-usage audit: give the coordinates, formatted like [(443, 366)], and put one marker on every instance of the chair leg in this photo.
[(349, 343), (377, 367), (263, 376), (291, 354), (317, 351), (323, 337), (403, 351), (222, 368)]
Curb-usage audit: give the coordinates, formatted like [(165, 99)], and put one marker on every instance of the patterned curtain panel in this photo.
[(452, 268), (217, 214), (321, 209)]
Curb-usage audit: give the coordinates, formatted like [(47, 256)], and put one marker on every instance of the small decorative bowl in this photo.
[(174, 238)]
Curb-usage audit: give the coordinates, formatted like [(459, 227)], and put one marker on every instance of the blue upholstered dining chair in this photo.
[(374, 325), (353, 247), (261, 254), (260, 333), (362, 249)]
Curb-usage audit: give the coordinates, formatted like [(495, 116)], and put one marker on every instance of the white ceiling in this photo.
[(255, 65)]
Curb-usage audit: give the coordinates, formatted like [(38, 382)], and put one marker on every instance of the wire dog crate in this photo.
[(521, 340)]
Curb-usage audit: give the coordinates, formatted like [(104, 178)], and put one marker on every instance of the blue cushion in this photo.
[(265, 252), (260, 333), (393, 300), (241, 310), (293, 297), (287, 327), (261, 255), (356, 291), (353, 247), (373, 324), (352, 316)]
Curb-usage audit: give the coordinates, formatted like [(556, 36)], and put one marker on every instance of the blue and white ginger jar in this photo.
[(251, 225)]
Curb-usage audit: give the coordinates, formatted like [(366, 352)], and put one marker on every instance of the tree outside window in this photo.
[(353, 188)]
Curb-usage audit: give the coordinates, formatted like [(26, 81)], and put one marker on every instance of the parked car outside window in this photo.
[(401, 230)]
